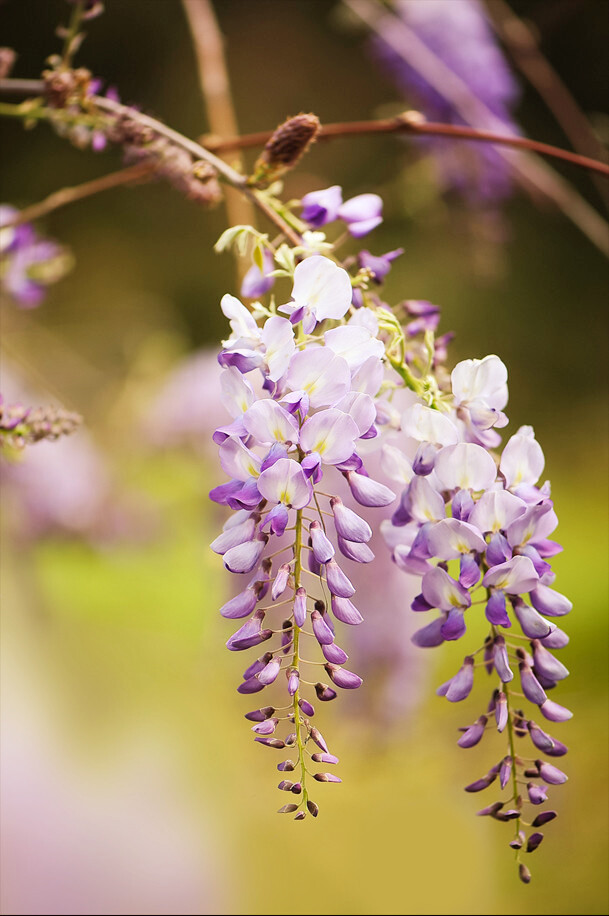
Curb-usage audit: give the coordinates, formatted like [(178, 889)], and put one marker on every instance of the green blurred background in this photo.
[(133, 784)]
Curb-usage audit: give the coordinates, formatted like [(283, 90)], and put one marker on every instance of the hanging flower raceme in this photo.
[(301, 400), (477, 529)]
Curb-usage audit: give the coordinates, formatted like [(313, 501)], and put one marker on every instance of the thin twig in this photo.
[(215, 88), (528, 168), (65, 196), (413, 123)]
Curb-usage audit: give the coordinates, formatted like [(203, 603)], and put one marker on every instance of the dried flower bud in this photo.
[(288, 143)]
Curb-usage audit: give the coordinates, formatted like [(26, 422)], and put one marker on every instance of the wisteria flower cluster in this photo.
[(340, 377)]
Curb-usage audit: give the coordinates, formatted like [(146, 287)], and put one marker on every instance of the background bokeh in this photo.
[(130, 782)]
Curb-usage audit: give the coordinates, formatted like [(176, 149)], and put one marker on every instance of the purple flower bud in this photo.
[(531, 687), (361, 214), (300, 816), (334, 654), (379, 265), (474, 733), (533, 624), (285, 785), (424, 460), (524, 874), (345, 611), (419, 604), (490, 809), (324, 758), (549, 602), (286, 767), (321, 207), (431, 635), (555, 712), (368, 492), (243, 557), (462, 505), (318, 738), (259, 715), (326, 777), (271, 742), (323, 549), (287, 809), (544, 817), (546, 665), (281, 581), (257, 282), (518, 843), (343, 678), (267, 727), (233, 536), (549, 773), (293, 681), (557, 639), (484, 782), (314, 566), (500, 660), (534, 841), (454, 625), (250, 634), (300, 607), (287, 636), (559, 749), (356, 551), (498, 550), (501, 711), (322, 631), (537, 794), (324, 692), (241, 605), (505, 772), (307, 708), (459, 687), (469, 571), (313, 808), (251, 685), (257, 666), (495, 610), (338, 583), (540, 739), (348, 523), (269, 672), (296, 788)]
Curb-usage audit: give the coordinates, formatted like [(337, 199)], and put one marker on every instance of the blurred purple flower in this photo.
[(459, 35), (29, 263)]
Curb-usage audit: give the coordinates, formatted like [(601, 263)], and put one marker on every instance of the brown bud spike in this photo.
[(288, 143)]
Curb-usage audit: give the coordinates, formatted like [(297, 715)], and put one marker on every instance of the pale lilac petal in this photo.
[(285, 482), (427, 425), (338, 583), (241, 319), (236, 393), (396, 465), (300, 607), (369, 492), (278, 339), (522, 461), (515, 577), (480, 379), (496, 510), (450, 538), (323, 287), (322, 546), (241, 605), (324, 376), (268, 422), (536, 523), (431, 635), (355, 344), (236, 534), (244, 557), (369, 377), (345, 611), (343, 678), (238, 461), (441, 591), (360, 408), (331, 433), (355, 550), (549, 602), (555, 712), (348, 523), (533, 624), (466, 466)]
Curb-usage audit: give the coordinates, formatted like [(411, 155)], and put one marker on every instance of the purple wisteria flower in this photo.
[(470, 64), (361, 214), (300, 393), (28, 263), (476, 528)]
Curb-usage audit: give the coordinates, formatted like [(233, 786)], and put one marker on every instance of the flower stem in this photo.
[(296, 659)]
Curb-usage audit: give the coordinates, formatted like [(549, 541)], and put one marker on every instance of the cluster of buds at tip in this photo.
[(288, 144), (21, 426)]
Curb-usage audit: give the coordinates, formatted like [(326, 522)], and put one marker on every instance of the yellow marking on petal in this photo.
[(461, 547), (253, 469)]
